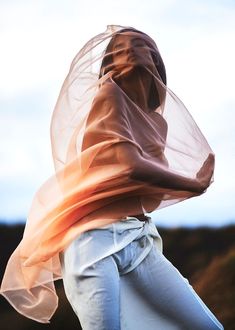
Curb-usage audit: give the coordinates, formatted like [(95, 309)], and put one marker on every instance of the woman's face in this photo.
[(131, 50)]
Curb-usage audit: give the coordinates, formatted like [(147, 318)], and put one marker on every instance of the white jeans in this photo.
[(96, 297)]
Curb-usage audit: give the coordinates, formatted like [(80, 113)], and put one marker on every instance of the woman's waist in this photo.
[(129, 222), (141, 217)]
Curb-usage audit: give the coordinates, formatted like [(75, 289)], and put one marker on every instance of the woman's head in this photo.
[(131, 48), (135, 40)]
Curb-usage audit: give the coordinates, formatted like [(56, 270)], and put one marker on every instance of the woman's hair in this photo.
[(107, 65)]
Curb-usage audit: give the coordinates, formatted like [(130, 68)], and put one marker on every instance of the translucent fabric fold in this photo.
[(117, 131)]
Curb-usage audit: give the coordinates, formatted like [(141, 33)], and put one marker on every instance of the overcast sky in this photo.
[(39, 39)]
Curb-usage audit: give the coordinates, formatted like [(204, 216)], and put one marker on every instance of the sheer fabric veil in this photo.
[(114, 121)]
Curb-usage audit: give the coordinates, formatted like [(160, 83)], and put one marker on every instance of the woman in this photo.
[(123, 145)]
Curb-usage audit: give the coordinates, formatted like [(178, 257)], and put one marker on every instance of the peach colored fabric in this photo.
[(108, 131)]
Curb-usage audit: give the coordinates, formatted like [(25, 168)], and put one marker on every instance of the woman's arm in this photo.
[(156, 175), (147, 171)]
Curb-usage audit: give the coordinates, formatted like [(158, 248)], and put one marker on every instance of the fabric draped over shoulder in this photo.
[(114, 122)]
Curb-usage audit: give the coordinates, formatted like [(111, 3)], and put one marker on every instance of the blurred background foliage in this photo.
[(205, 256)]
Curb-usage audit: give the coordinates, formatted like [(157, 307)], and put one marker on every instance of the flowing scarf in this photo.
[(121, 139)]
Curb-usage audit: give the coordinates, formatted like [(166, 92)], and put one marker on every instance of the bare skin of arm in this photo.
[(146, 171), (154, 174)]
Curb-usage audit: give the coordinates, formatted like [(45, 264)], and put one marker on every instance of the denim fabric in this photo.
[(136, 287)]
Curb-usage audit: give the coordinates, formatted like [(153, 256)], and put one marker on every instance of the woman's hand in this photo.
[(205, 173)]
